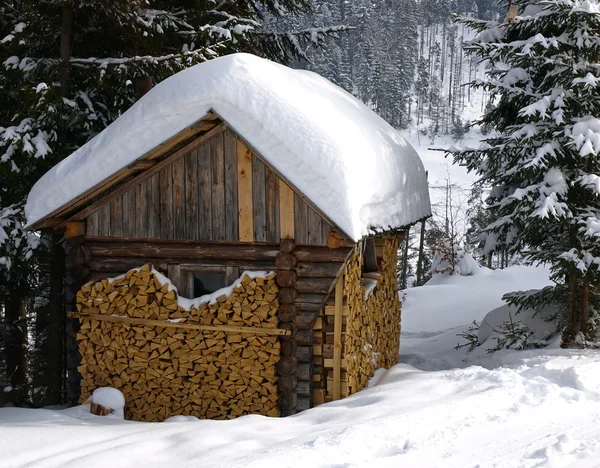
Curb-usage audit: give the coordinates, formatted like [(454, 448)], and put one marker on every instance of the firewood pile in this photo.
[(150, 351), (373, 330), (370, 326)]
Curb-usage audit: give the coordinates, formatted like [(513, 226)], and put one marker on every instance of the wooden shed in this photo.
[(225, 191)]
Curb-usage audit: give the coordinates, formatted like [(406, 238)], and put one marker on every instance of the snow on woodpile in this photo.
[(347, 160)]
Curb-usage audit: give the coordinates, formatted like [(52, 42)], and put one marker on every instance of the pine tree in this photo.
[(543, 161)]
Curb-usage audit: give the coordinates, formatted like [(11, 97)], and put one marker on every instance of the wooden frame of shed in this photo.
[(204, 202)]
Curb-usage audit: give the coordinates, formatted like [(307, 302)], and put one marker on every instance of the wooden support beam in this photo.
[(245, 204), (286, 211), (74, 229), (187, 326), (337, 338)]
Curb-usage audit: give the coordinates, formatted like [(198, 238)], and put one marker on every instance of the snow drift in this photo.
[(354, 166)]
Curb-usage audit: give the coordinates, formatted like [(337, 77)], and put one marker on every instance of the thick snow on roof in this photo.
[(341, 155)]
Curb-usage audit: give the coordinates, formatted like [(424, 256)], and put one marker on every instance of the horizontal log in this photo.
[(286, 278), (287, 383), (308, 306), (287, 295), (304, 354), (311, 298), (161, 249), (304, 337), (305, 320), (287, 365), (289, 347), (287, 312), (306, 253), (322, 270), (285, 261), (315, 285), (304, 403), (187, 326), (303, 388), (304, 372), (124, 264), (287, 245)]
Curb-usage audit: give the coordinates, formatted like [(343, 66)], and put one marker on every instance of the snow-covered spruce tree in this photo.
[(67, 70), (542, 160)]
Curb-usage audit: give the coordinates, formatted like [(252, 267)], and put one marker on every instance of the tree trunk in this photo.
[(405, 261), (420, 260), (585, 308), (66, 36), (17, 362), (56, 319), (571, 328)]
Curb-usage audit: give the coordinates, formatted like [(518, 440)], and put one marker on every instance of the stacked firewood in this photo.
[(370, 336), (163, 369), (373, 330)]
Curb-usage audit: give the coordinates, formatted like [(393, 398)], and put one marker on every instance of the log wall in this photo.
[(312, 274), (218, 191), (165, 370)]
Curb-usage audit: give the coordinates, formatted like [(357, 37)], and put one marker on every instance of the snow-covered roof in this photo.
[(342, 156)]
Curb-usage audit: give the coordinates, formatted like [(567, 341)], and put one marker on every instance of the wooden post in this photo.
[(245, 204), (337, 338)]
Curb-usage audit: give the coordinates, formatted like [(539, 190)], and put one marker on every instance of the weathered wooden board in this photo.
[(231, 194), (217, 165), (272, 206), (259, 200), (218, 191), (204, 176), (178, 181), (245, 197), (191, 196)]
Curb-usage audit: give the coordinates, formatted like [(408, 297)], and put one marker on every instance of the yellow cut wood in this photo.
[(245, 205), (337, 337), (286, 211)]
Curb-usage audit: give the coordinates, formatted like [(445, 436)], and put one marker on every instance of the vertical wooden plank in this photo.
[(272, 205), (218, 187), (204, 193), (129, 213), (337, 338), (245, 206), (167, 230), (191, 195), (258, 200), (116, 217), (286, 211), (141, 210), (174, 274), (178, 181), (325, 228), (92, 224), (231, 201), (315, 229), (300, 220), (153, 195), (104, 220)]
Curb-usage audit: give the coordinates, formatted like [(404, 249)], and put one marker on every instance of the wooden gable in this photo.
[(219, 190)]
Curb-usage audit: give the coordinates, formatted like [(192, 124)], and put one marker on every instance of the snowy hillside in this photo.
[(515, 409)]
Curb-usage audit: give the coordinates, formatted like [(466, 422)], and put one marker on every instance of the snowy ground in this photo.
[(515, 409)]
